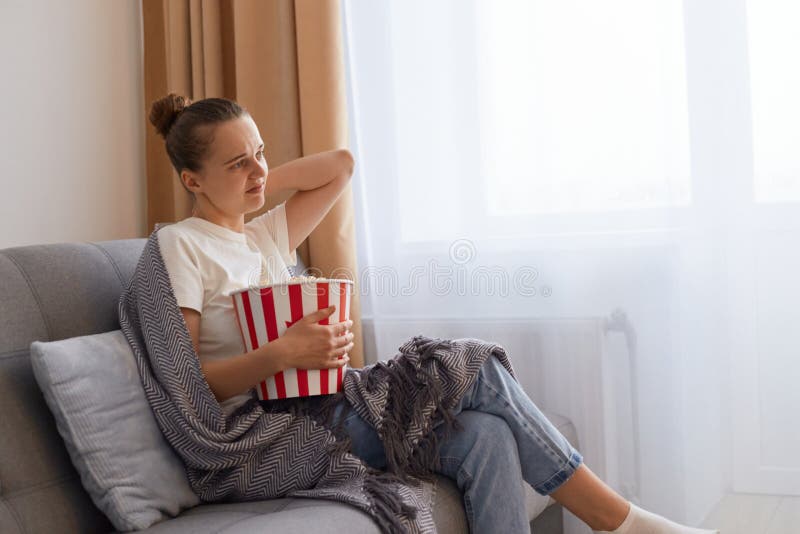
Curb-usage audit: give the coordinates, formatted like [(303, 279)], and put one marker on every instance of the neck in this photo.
[(235, 223)]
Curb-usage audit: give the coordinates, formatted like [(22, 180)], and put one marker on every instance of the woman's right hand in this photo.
[(310, 345)]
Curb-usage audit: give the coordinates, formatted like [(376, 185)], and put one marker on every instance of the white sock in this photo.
[(640, 521)]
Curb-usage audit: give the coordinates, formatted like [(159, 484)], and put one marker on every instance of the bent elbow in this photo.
[(348, 160)]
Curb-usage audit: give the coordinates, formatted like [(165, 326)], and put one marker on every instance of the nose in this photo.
[(259, 170)]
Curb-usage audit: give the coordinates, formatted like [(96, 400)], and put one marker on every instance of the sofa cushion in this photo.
[(284, 515), (317, 515), (92, 386)]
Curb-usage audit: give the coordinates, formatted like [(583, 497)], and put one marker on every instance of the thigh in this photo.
[(367, 445), (482, 435)]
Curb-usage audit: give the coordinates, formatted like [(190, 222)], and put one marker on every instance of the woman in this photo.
[(216, 148)]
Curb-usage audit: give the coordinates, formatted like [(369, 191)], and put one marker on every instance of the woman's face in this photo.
[(234, 165)]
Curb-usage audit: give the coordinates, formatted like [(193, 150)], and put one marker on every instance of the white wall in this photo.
[(71, 121)]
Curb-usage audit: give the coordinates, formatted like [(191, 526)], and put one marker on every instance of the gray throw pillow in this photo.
[(92, 386)]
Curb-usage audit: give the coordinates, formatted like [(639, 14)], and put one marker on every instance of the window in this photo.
[(774, 43), (493, 110), (583, 105)]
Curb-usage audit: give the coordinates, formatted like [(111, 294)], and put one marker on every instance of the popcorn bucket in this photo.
[(264, 313)]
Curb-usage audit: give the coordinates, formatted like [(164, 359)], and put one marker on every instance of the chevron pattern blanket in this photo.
[(292, 447)]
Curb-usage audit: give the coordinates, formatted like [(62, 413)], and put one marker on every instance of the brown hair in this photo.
[(184, 125)]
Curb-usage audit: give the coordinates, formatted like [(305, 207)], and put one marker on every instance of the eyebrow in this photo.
[(241, 155)]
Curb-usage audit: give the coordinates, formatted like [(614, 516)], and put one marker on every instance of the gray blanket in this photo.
[(293, 447)]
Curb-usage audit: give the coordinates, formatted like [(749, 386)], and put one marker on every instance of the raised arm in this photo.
[(319, 180)]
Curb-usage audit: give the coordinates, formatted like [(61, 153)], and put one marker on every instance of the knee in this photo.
[(494, 365)]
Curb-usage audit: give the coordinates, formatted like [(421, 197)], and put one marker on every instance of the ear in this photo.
[(191, 180)]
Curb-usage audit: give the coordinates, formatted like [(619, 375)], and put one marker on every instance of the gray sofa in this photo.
[(57, 291)]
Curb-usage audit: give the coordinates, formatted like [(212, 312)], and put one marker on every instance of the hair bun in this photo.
[(165, 111)]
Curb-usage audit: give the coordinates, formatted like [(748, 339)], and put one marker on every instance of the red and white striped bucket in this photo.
[(264, 313)]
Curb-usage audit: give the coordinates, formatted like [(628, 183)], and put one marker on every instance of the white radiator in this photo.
[(581, 368)]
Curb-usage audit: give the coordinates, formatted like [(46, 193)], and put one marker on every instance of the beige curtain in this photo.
[(282, 60)]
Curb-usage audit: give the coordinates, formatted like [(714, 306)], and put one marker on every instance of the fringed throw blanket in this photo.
[(293, 448)]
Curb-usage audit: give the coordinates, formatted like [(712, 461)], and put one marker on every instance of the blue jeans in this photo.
[(505, 439)]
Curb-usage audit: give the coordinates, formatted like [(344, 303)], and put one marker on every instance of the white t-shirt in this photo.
[(206, 262)]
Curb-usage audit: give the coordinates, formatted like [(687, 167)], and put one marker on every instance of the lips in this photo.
[(256, 189)]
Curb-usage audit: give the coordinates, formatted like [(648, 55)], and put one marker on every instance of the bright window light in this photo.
[(774, 43)]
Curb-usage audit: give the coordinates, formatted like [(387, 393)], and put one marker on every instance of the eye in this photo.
[(239, 163)]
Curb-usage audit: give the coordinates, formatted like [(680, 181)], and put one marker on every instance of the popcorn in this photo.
[(304, 278), (265, 313)]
